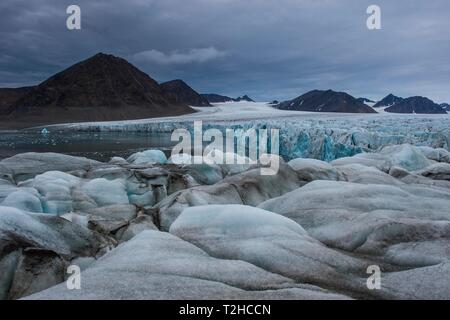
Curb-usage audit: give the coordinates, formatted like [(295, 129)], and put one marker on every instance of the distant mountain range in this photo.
[(244, 98), (366, 101), (445, 106), (217, 98), (103, 87), (179, 92), (108, 88), (419, 105), (388, 101), (326, 101), (332, 101)]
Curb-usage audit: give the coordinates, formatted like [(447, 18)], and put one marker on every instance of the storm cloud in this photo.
[(267, 49)]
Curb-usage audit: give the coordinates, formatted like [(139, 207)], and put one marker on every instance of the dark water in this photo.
[(98, 146)]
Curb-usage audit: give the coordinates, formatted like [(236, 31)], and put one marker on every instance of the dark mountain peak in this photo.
[(102, 87), (176, 82), (216, 98), (445, 106), (388, 101), (417, 104), (105, 60), (112, 70), (365, 100), (103, 56), (244, 98), (419, 98), (179, 91), (326, 101)]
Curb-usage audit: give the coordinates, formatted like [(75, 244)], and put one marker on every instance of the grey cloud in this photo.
[(196, 55), (268, 49)]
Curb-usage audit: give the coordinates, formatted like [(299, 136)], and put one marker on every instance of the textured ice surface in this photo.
[(27, 165), (267, 240), (310, 231), (405, 156), (244, 221), (26, 200), (156, 265), (311, 169), (36, 248), (106, 192), (55, 190), (371, 218), (44, 231), (148, 157), (437, 154), (302, 134), (249, 187)]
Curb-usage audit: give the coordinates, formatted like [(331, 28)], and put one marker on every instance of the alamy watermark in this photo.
[(374, 280), (73, 282), (374, 20), (73, 21)]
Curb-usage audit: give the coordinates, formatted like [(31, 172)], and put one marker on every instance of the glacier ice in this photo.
[(319, 136), (158, 265), (55, 189), (45, 231), (438, 154), (436, 171), (311, 169), (310, 231), (359, 173), (404, 156), (229, 219), (27, 165), (35, 248), (248, 187), (148, 157), (370, 218), (25, 200), (106, 192), (267, 240)]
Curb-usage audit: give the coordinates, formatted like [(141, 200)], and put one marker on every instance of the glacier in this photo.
[(322, 136), (351, 192), (183, 231)]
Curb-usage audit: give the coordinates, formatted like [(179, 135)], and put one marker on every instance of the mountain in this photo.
[(9, 96), (419, 105), (388, 101), (326, 101), (180, 92), (445, 106), (366, 101), (244, 98), (103, 87), (217, 98)]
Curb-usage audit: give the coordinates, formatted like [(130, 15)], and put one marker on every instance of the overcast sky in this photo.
[(264, 48)]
